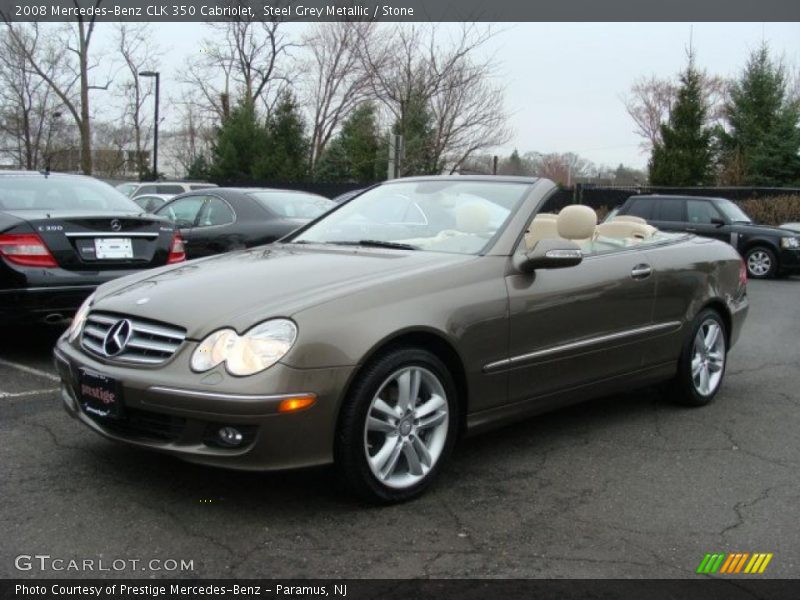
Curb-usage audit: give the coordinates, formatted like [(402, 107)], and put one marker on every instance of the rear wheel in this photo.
[(761, 263), (398, 426), (702, 362)]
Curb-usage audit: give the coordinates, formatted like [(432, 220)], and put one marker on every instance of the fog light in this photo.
[(230, 436)]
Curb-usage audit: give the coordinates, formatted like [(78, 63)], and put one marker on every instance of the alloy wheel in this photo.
[(708, 357), (406, 427), (759, 263)]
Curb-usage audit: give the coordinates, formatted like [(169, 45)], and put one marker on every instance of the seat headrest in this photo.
[(576, 222), (472, 218)]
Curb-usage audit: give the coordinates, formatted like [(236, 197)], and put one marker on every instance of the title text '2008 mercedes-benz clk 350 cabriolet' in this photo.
[(376, 335)]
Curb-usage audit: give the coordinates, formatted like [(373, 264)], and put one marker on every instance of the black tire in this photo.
[(350, 452), (684, 389), (756, 258)]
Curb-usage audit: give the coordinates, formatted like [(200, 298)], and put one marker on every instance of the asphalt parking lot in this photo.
[(627, 486)]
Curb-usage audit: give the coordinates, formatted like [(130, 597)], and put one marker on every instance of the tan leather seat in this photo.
[(625, 230), (629, 219), (473, 218), (543, 227)]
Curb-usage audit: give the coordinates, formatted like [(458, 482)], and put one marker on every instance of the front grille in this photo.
[(150, 342), (144, 424)]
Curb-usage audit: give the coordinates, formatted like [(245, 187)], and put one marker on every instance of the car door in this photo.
[(704, 219), (184, 212), (214, 231), (578, 325)]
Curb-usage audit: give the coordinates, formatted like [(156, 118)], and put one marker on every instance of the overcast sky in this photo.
[(565, 80)]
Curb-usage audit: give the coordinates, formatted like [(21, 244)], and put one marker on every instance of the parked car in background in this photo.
[(346, 196), (152, 202), (768, 251), (224, 219), (378, 334), (135, 188), (63, 235)]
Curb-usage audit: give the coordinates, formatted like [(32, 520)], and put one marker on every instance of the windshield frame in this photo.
[(527, 187)]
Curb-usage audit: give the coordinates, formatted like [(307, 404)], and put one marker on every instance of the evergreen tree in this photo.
[(762, 145), (239, 144), (684, 156), (416, 126), (284, 156), (199, 169), (353, 155)]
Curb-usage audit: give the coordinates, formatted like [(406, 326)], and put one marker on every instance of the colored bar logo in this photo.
[(734, 563)]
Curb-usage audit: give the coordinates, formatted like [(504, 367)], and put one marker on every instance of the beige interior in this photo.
[(629, 218), (576, 223), (544, 226), (473, 218), (625, 229)]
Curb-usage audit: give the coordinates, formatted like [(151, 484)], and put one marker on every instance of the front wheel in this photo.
[(397, 426), (702, 362), (761, 263)]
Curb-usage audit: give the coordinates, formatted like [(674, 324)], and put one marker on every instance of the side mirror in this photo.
[(550, 254), (717, 221)]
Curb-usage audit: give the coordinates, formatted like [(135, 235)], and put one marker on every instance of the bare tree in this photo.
[(191, 140), (650, 101), (27, 108), (71, 77), (415, 65), (564, 168), (243, 60), (139, 54), (334, 79)]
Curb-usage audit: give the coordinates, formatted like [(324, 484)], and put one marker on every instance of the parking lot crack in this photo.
[(740, 507)]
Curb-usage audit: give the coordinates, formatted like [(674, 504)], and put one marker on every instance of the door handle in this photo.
[(642, 271), (691, 229)]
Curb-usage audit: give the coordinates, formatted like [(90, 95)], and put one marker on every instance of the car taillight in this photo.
[(177, 253), (742, 273), (26, 249)]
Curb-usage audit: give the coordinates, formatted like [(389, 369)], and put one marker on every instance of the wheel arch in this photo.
[(428, 339), (717, 305)]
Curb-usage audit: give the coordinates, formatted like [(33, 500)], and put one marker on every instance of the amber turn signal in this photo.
[(296, 403)]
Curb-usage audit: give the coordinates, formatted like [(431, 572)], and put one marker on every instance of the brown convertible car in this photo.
[(375, 336)]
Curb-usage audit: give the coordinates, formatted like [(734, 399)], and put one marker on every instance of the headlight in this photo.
[(259, 348), (790, 242), (79, 319)]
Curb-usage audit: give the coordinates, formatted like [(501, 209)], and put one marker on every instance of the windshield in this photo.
[(61, 193), (733, 212), (294, 205), (441, 216)]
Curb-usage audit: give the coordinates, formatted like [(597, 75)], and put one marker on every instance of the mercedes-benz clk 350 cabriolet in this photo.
[(375, 336)]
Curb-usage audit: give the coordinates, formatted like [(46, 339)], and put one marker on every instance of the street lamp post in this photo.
[(157, 75)]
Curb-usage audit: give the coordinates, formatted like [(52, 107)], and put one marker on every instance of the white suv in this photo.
[(134, 188)]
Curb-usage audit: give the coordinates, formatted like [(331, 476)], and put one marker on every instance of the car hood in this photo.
[(240, 289), (755, 229)]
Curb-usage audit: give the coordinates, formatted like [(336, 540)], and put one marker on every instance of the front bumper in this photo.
[(163, 411), (789, 260)]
